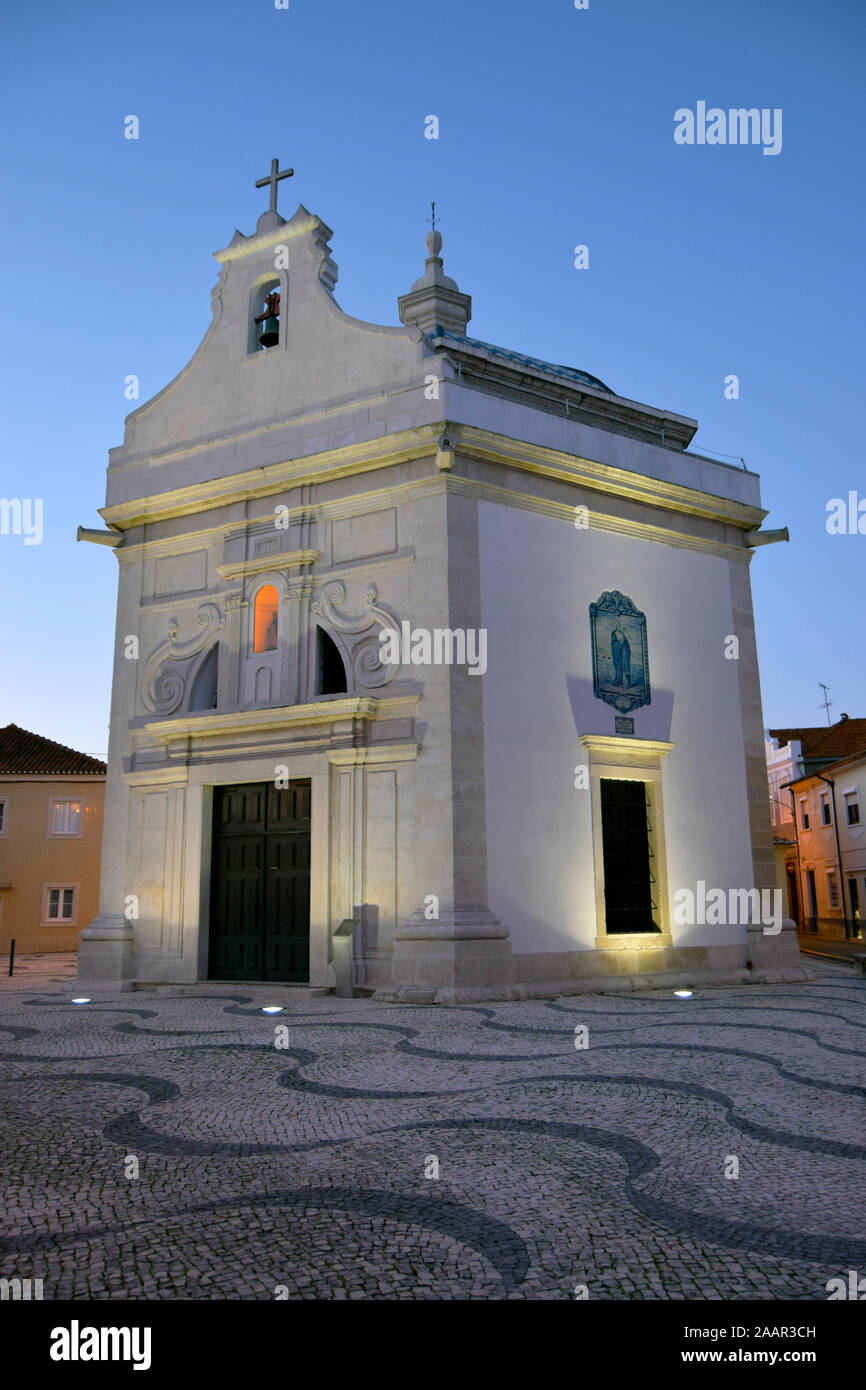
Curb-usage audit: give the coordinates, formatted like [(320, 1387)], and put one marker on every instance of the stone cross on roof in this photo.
[(273, 179)]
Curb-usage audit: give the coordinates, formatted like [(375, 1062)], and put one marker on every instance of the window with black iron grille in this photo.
[(628, 870)]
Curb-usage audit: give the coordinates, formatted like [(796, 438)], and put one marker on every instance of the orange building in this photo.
[(820, 838), (51, 803)]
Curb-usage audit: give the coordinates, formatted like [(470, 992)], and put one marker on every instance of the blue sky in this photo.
[(556, 128)]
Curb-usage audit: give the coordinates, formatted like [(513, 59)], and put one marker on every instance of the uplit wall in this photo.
[(539, 576)]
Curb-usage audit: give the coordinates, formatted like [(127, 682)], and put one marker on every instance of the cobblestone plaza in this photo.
[(307, 1169)]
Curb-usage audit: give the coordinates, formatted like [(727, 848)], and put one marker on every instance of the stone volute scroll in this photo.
[(168, 669), (358, 637)]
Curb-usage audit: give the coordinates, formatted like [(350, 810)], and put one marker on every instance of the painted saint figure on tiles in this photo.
[(621, 653), (620, 664)]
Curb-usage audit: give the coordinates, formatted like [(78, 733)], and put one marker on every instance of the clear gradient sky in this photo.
[(556, 128)]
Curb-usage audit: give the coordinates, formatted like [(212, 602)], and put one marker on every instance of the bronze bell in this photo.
[(270, 334)]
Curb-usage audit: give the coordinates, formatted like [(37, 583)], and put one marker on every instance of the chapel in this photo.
[(423, 655)]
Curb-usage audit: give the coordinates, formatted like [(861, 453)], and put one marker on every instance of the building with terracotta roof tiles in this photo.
[(51, 805), (817, 782)]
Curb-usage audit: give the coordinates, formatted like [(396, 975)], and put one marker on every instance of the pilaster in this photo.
[(766, 952), (107, 944), (230, 655)]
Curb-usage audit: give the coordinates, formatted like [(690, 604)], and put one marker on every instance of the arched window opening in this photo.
[(204, 689), (265, 316), (332, 672), (265, 619)]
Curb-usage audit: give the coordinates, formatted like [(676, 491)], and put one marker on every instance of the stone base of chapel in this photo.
[(105, 956), (447, 971)]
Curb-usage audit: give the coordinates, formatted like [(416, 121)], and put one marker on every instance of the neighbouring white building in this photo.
[(514, 820)]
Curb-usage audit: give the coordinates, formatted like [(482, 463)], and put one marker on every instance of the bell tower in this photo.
[(266, 295)]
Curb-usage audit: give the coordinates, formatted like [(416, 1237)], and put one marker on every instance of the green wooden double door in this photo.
[(260, 882)]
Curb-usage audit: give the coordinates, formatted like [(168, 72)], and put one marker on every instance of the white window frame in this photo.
[(833, 885), (852, 798), (59, 921), (53, 803), (826, 809), (804, 814)]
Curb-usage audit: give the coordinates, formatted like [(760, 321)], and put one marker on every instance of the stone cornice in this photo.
[(291, 559), (159, 776), (599, 521), (393, 495), (377, 498), (174, 545), (605, 477), (176, 774), (383, 452), (473, 442), (624, 751), (372, 756), (264, 720)]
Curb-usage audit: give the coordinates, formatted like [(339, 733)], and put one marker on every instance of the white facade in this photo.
[(374, 476), (541, 659)]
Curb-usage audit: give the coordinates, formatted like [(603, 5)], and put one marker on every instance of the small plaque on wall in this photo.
[(622, 725)]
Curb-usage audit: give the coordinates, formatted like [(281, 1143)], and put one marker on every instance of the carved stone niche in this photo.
[(357, 636), (169, 672)]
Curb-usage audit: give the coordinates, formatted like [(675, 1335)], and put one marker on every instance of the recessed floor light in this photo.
[(683, 993), (273, 1009), (80, 1001)]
